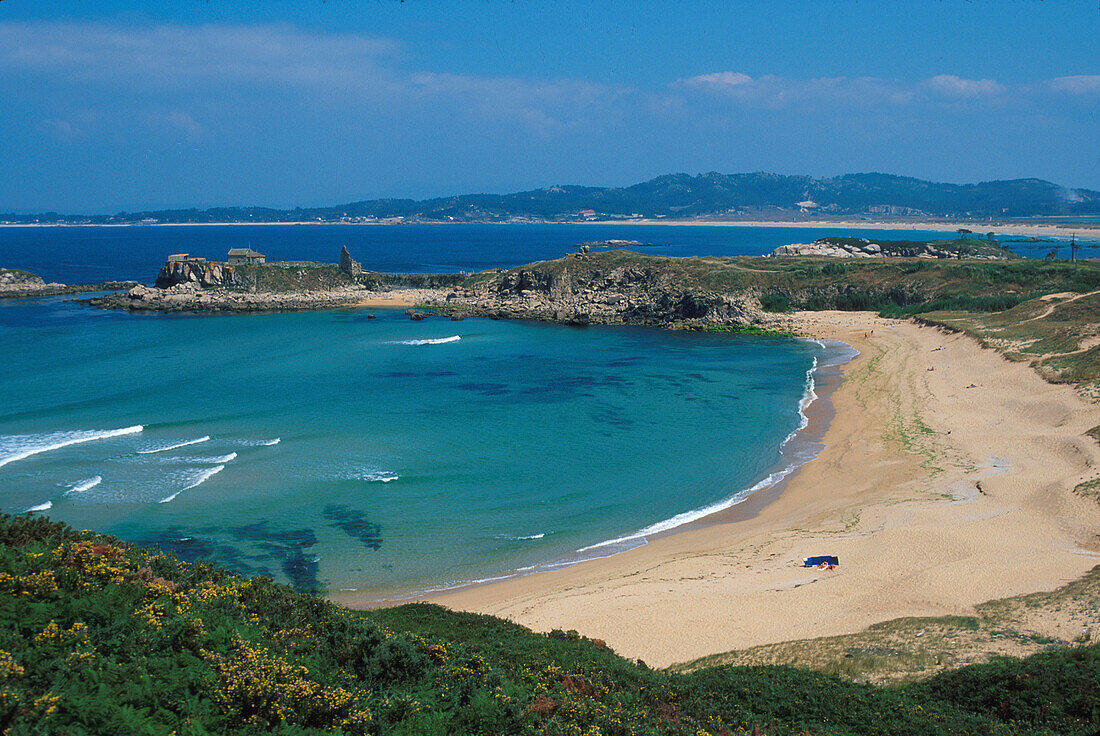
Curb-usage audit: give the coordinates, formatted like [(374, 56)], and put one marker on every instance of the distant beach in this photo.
[(1087, 229)]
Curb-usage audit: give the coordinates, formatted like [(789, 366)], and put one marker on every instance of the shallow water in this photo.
[(335, 451)]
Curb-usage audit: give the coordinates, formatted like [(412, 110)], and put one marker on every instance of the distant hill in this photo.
[(674, 196)]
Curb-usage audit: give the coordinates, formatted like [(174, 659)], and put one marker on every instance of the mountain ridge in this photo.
[(668, 196)]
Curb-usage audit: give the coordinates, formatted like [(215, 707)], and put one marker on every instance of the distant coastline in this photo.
[(1089, 230)]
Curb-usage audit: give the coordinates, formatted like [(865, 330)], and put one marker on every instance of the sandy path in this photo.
[(894, 494)]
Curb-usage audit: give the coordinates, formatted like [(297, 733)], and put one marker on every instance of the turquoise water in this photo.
[(383, 455)]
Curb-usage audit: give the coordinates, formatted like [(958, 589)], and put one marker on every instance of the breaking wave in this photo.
[(197, 480), (20, 446), (40, 507), (175, 446), (85, 485), (377, 476), (429, 341), (639, 537)]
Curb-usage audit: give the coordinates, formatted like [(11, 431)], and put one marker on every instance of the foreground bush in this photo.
[(99, 637)]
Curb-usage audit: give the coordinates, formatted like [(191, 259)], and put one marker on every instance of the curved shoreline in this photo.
[(911, 492), (798, 449)]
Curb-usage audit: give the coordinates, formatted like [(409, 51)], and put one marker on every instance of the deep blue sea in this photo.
[(339, 452), (95, 254)]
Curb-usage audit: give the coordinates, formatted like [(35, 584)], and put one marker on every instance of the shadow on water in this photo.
[(191, 548), (289, 549), (353, 523)]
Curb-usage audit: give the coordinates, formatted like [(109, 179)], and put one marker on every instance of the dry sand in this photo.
[(894, 494)]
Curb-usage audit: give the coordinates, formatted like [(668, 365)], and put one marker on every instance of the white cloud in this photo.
[(167, 65), (948, 85), (1080, 84), (62, 130), (729, 79), (186, 55), (773, 92), (178, 121)]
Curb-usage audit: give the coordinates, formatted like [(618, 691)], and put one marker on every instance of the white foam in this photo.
[(40, 507), (175, 446), (85, 485), (376, 476), (219, 460), (429, 341), (694, 515), (197, 480), (809, 396), (270, 443), (521, 539), (21, 446)]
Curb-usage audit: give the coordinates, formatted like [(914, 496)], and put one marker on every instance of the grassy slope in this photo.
[(910, 648), (99, 637)]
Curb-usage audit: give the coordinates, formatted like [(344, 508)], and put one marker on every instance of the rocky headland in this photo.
[(582, 290), (16, 283)]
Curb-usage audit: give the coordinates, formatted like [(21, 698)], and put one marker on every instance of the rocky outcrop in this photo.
[(845, 247), (349, 265), (589, 295), (818, 248), (14, 280), (206, 274)]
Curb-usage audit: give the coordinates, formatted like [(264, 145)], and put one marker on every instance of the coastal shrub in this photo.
[(99, 636), (773, 302), (837, 269), (984, 303)]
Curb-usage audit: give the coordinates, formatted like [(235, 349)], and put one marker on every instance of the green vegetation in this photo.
[(97, 636)]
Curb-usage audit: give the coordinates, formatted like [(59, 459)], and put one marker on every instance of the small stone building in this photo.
[(244, 255)]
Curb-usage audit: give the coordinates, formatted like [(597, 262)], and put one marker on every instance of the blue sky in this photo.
[(126, 105)]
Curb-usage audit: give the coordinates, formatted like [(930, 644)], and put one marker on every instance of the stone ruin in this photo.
[(349, 265)]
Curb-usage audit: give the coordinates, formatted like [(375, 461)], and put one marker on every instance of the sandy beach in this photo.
[(945, 481)]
